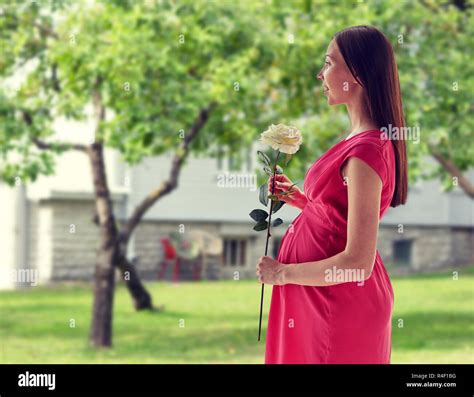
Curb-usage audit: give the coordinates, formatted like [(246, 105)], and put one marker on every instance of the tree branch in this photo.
[(452, 169), (59, 145), (172, 182), (28, 119)]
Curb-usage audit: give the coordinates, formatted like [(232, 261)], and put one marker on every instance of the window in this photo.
[(402, 252), (235, 252)]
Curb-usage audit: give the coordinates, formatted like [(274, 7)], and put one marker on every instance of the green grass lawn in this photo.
[(220, 323)]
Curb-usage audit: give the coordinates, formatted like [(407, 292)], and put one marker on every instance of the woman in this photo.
[(332, 298)]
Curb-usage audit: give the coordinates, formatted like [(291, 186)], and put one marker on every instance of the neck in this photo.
[(360, 119)]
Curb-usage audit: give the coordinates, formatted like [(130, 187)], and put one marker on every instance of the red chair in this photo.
[(169, 256)]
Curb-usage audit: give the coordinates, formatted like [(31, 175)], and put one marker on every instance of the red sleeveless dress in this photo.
[(343, 323)]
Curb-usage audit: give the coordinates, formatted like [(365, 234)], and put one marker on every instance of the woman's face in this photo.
[(339, 85)]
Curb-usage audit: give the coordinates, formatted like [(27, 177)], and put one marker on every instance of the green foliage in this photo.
[(159, 63), (258, 215), (156, 65), (277, 205), (432, 42), (260, 226), (263, 194), (263, 158), (277, 222)]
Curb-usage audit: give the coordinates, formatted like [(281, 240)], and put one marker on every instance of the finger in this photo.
[(284, 185), (277, 190), (279, 178), (279, 183), (271, 179), (272, 182), (284, 198), (282, 178)]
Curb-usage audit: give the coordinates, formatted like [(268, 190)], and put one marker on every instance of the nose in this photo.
[(319, 76)]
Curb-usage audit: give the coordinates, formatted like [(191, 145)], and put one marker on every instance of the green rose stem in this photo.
[(266, 245)]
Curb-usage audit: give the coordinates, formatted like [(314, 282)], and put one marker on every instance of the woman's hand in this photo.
[(295, 197), (270, 271)]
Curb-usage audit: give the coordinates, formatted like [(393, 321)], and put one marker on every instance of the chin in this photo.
[(332, 101)]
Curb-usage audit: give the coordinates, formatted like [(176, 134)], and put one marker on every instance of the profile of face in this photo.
[(340, 86)]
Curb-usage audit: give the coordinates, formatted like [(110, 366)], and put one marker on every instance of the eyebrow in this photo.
[(328, 55)]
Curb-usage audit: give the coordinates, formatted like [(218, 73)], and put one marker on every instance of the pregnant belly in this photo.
[(310, 238)]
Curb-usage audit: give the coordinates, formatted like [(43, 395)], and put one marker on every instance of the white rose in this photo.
[(281, 137)]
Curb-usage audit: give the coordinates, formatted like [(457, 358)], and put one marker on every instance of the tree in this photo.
[(160, 77), (207, 77), (432, 42)]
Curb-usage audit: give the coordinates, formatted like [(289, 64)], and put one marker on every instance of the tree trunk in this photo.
[(104, 281), (113, 243), (101, 327), (141, 298)]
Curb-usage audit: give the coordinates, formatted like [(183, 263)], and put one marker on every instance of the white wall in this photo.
[(427, 204), (199, 195), (13, 234)]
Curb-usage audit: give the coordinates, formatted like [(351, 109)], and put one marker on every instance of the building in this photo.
[(47, 227)]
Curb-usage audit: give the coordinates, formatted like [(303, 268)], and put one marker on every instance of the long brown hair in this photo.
[(370, 58)]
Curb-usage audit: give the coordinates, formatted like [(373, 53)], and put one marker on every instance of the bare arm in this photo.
[(364, 192)]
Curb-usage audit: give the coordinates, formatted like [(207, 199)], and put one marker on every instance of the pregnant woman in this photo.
[(332, 298)]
